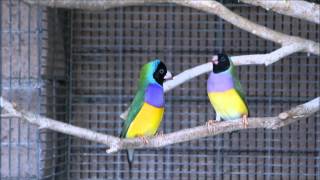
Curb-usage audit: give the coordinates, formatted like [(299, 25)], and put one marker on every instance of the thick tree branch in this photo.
[(285, 118), (295, 8)]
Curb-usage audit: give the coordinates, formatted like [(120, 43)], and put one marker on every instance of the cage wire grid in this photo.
[(81, 67)]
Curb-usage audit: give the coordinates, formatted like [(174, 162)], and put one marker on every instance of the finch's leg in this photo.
[(209, 125), (211, 122), (14, 104), (144, 139), (159, 133), (245, 121)]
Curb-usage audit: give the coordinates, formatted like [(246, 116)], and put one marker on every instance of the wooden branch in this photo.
[(91, 4), (270, 58), (283, 119), (116, 144), (295, 8), (254, 59), (213, 7), (47, 123), (209, 6)]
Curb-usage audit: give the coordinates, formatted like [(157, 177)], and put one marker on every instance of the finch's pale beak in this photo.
[(168, 76), (214, 60)]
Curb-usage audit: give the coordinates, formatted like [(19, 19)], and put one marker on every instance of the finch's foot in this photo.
[(159, 133), (209, 125), (210, 122), (245, 121), (144, 139), (14, 105)]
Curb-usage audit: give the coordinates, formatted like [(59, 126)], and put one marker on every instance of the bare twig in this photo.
[(9, 116), (295, 8), (116, 144), (270, 58), (92, 4), (213, 7), (254, 59), (209, 6), (258, 59), (47, 123)]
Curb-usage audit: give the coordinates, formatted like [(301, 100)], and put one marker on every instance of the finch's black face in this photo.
[(221, 63), (160, 73)]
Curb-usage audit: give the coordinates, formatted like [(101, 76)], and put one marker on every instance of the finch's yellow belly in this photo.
[(228, 104), (146, 122)]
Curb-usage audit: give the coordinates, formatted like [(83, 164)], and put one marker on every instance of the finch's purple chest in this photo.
[(219, 82), (154, 95)]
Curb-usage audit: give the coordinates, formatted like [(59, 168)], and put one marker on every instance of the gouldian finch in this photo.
[(147, 108), (225, 91)]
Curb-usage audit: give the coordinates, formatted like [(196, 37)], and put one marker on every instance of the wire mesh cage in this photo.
[(81, 67)]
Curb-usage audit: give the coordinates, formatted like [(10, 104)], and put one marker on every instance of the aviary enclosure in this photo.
[(78, 62)]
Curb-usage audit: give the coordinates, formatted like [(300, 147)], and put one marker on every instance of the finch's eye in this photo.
[(161, 71)]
